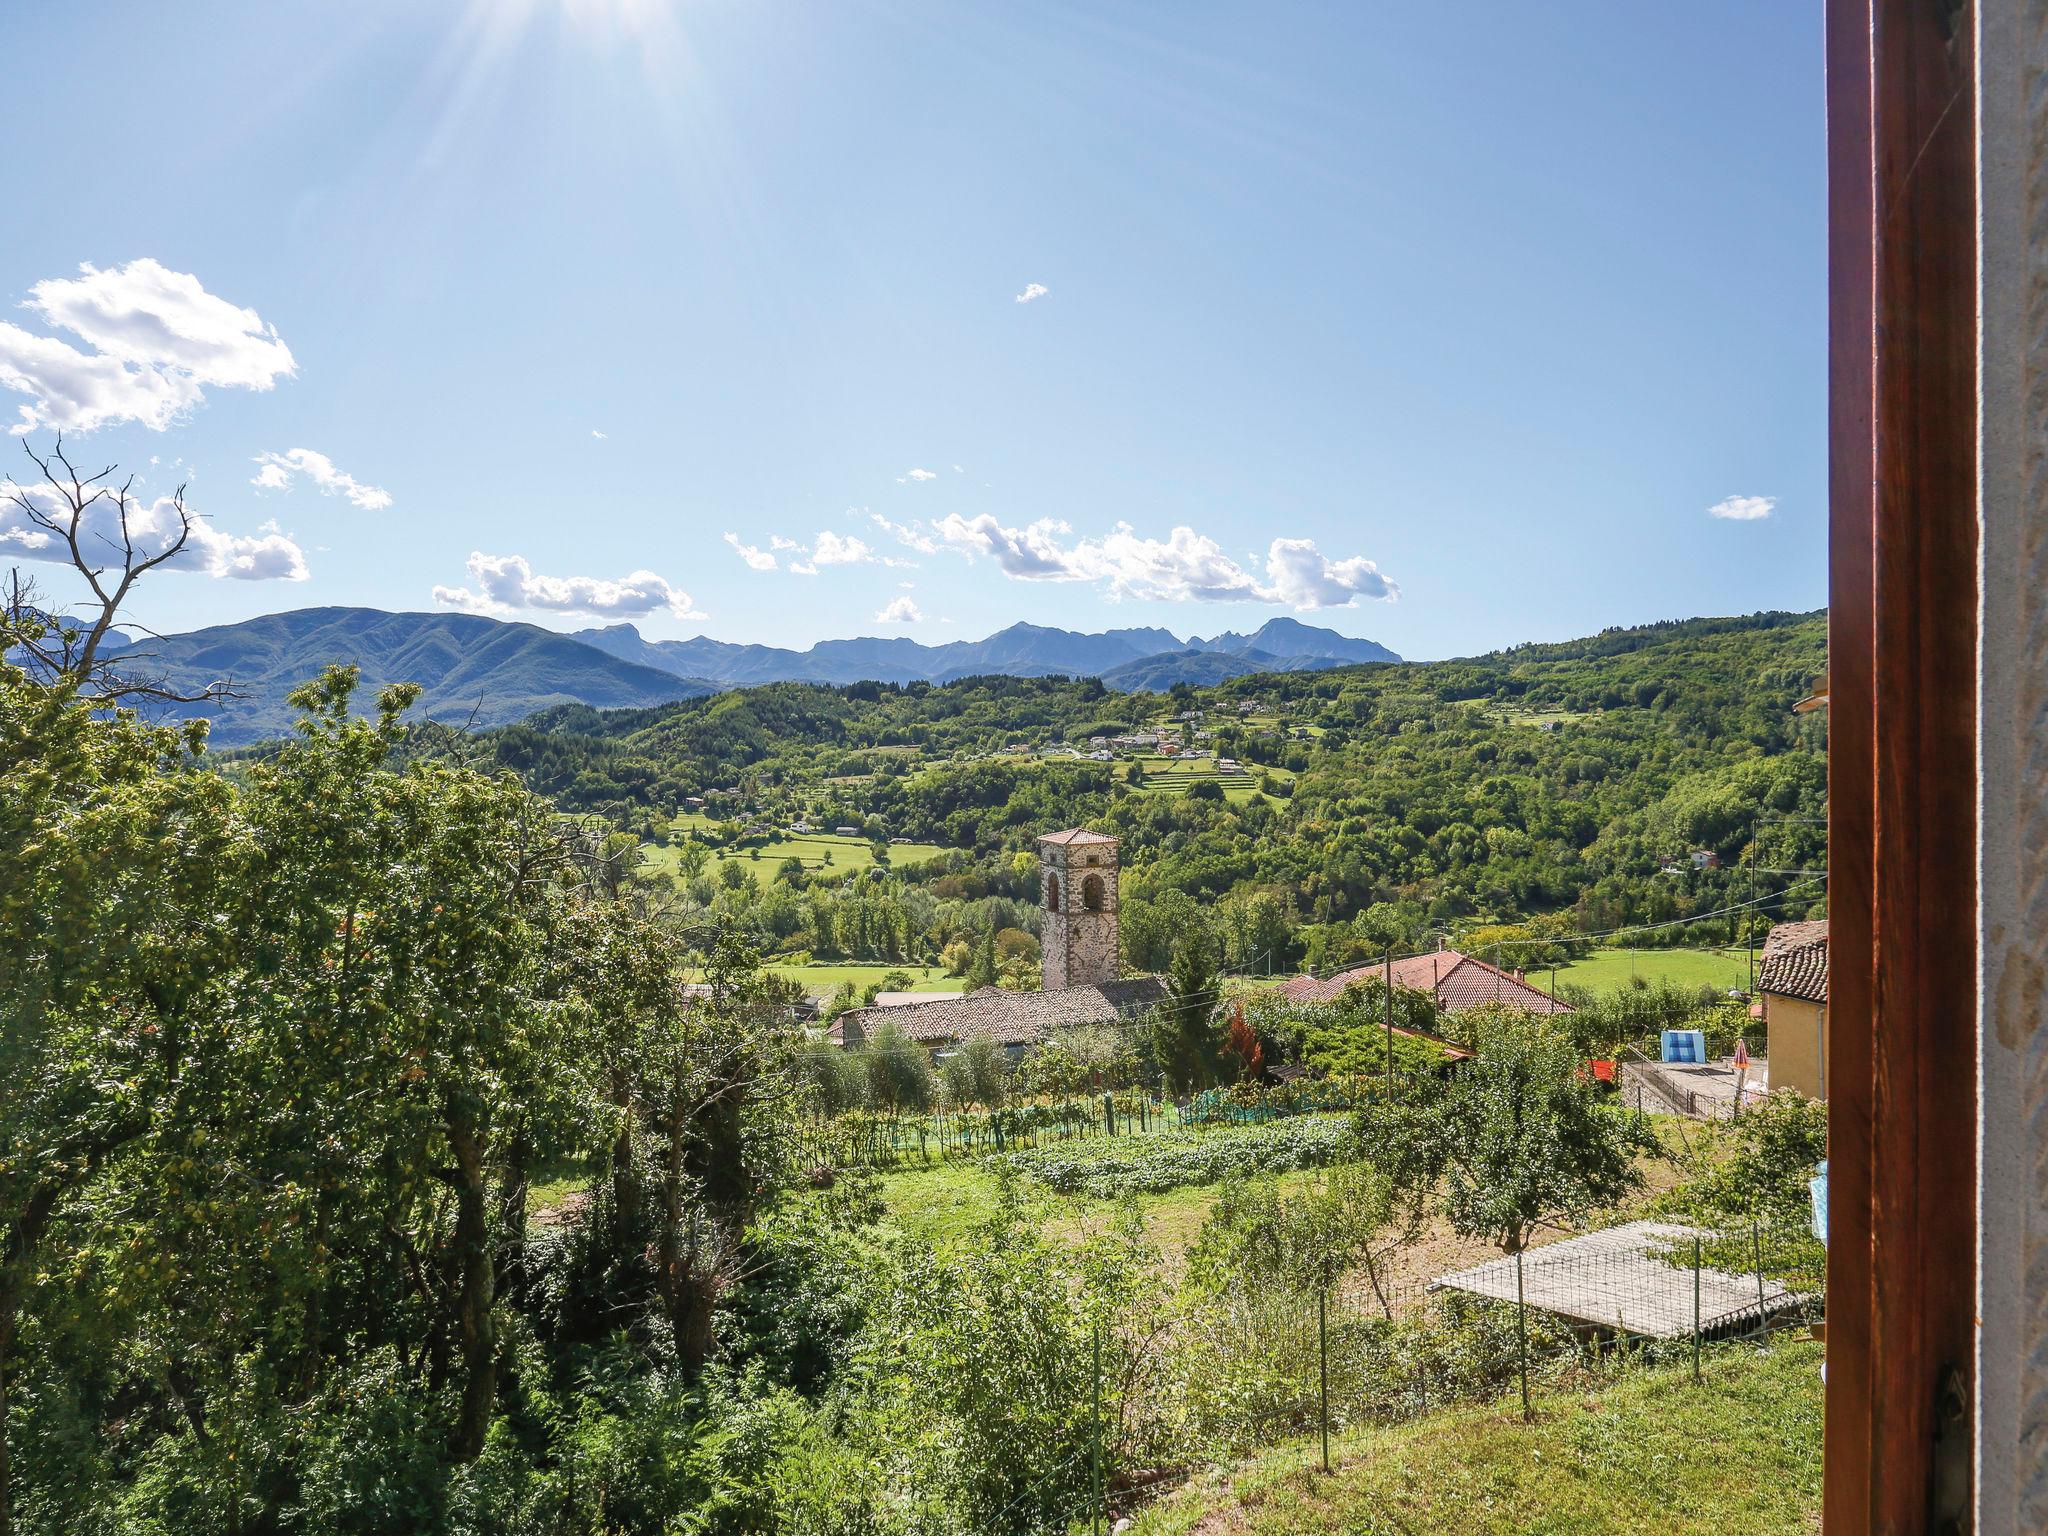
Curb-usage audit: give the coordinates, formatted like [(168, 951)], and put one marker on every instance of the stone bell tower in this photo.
[(1077, 886)]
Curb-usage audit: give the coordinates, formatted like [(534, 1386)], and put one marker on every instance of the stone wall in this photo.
[(1079, 939)]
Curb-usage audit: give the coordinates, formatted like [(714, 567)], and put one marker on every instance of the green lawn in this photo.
[(935, 1206), (1645, 1452), (847, 855), (828, 978), (1718, 968)]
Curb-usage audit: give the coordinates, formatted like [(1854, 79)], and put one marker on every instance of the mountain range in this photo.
[(472, 668), (1022, 650)]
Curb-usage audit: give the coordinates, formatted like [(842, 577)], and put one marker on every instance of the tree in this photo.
[(985, 970), (708, 1071), (1186, 1040), (1242, 1053), (691, 856), (1516, 1137), (122, 900), (976, 1074), (111, 540), (899, 1071)]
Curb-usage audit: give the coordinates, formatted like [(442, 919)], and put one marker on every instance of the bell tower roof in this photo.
[(1073, 836)]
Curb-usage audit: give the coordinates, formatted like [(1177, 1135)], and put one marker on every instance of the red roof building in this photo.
[(1457, 982)]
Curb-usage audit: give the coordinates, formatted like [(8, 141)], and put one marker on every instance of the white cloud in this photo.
[(757, 559), (777, 541), (919, 475), (158, 341), (899, 610), (505, 583), (1743, 509), (1032, 291), (600, 436), (1183, 567), (278, 468), (911, 536), (836, 549), (271, 555), (1029, 554)]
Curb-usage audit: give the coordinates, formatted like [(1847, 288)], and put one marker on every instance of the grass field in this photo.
[(1647, 1451), (935, 1206), (1721, 969), (848, 855), (829, 978)]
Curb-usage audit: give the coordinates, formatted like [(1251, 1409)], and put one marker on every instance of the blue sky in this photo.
[(1442, 324)]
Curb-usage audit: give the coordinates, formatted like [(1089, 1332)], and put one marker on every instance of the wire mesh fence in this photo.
[(1252, 1370)]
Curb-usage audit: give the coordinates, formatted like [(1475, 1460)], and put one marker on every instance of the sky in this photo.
[(1452, 325)]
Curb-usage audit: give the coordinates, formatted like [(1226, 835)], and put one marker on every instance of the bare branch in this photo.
[(58, 653)]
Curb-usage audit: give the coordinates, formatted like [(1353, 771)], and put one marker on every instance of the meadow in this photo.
[(818, 852), (1722, 969)]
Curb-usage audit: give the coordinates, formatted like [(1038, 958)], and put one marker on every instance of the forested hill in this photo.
[(1577, 776), (468, 668)]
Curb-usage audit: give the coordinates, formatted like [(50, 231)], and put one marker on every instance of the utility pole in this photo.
[(1390, 1022), (1752, 910)]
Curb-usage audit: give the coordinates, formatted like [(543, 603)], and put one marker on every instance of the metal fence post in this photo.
[(1522, 1335), (1323, 1361), (1095, 1512), (1695, 1309), (1756, 1243)]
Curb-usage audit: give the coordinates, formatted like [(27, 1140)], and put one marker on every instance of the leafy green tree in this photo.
[(703, 1074), (985, 969), (1516, 1137), (122, 897), (976, 1073), (899, 1071), (1186, 1040), (1256, 1238)]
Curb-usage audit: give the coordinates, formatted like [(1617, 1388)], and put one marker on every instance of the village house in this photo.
[(1079, 941), (1792, 981), (1455, 981)]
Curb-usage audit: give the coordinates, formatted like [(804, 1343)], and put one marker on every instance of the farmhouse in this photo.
[(1456, 981), (1079, 941), (1792, 977)]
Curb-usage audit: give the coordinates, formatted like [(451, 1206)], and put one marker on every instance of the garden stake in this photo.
[(1095, 1515), (1323, 1361), (1695, 1310), (1522, 1336), (1756, 1243)]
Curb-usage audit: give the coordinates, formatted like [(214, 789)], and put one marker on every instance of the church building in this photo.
[(1083, 963)]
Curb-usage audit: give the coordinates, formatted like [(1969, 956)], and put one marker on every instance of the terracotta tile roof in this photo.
[(1008, 1018), (1073, 835), (1795, 962), (1787, 936), (1457, 982)]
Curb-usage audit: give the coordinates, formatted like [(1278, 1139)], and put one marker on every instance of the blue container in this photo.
[(1685, 1047)]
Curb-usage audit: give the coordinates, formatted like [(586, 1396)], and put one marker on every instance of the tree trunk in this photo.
[(512, 1192), (6, 1470), (625, 1178), (476, 1291)]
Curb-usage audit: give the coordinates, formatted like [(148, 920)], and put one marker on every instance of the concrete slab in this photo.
[(1615, 1279)]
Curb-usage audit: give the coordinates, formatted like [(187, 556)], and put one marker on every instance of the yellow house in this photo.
[(1793, 978)]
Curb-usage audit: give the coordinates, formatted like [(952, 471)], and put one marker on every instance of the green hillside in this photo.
[(469, 669), (1368, 805)]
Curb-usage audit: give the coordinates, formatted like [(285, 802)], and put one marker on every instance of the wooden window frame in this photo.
[(1902, 816)]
